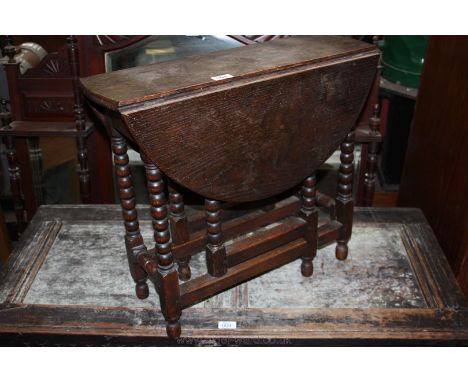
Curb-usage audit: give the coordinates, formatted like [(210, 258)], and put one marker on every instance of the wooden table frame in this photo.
[(179, 123), (297, 234)]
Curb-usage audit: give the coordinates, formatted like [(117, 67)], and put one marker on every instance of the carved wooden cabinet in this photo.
[(237, 126)]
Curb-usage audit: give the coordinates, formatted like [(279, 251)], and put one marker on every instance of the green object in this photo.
[(403, 59)]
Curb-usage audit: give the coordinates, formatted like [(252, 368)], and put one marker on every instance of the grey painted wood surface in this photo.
[(86, 265), (68, 275)]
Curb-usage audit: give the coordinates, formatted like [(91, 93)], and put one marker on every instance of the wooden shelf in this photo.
[(45, 129)]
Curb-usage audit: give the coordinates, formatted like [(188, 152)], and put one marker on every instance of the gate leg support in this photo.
[(166, 279), (309, 213), (344, 200)]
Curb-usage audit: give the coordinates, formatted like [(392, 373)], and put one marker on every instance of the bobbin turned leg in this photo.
[(167, 283), (15, 184), (179, 229), (309, 213), (344, 200), (371, 165), (80, 122), (133, 239), (215, 250)]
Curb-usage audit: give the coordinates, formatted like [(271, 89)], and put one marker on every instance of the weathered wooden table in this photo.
[(63, 285)]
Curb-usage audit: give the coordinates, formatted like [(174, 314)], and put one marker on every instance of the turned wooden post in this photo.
[(179, 228), (133, 239), (309, 213), (371, 164), (344, 200), (215, 250), (13, 171), (167, 283), (80, 122)]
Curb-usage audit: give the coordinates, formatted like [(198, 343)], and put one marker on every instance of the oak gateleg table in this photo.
[(236, 126)]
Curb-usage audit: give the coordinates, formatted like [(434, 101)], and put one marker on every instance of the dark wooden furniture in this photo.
[(235, 126), (39, 102), (39, 116), (5, 243), (368, 131), (435, 171), (91, 303)]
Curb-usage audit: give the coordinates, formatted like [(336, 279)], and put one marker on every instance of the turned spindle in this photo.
[(179, 228), (167, 282), (344, 199), (371, 163), (80, 122), (215, 250), (9, 50), (13, 170), (309, 213), (133, 239)]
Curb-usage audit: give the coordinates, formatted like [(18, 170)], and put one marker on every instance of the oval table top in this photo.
[(246, 123)]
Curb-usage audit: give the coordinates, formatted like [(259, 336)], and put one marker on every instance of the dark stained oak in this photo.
[(43, 101), (133, 239), (371, 162), (289, 229), (179, 229), (276, 115), (166, 279), (235, 226), (13, 170), (80, 121), (215, 250), (344, 201), (309, 213)]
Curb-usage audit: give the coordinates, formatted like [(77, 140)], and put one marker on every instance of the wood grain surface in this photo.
[(441, 319), (254, 140), (285, 109), (282, 110), (141, 84)]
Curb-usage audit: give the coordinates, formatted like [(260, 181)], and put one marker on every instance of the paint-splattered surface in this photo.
[(87, 265)]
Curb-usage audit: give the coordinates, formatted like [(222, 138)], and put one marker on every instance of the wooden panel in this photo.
[(435, 172)]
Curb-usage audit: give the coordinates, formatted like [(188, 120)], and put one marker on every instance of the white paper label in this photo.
[(222, 77), (227, 325)]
